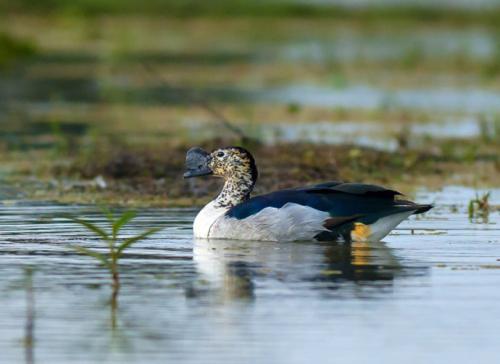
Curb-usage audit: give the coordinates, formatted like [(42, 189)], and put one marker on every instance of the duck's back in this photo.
[(329, 211)]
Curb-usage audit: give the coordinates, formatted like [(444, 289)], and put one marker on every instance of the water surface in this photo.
[(429, 293)]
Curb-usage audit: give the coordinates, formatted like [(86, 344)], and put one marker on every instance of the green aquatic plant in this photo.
[(116, 245), (479, 208)]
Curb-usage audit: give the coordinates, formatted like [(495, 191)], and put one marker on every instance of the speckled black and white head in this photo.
[(234, 164), (233, 161)]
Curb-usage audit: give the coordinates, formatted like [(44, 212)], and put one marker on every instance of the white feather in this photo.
[(290, 222), (206, 218)]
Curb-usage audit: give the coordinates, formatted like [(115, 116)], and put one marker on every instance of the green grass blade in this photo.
[(128, 242), (91, 253), (97, 230), (108, 213), (471, 209), (123, 220)]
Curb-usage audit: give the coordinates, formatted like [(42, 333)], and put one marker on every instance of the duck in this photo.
[(331, 211)]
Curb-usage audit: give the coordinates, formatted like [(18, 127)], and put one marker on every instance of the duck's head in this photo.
[(227, 163)]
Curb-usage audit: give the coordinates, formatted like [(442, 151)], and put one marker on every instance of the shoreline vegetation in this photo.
[(119, 174)]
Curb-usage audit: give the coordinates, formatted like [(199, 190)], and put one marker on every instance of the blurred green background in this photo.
[(104, 97)]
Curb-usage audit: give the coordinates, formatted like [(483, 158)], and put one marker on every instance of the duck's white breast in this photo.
[(206, 218)]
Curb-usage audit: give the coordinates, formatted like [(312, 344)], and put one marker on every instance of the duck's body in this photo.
[(332, 211)]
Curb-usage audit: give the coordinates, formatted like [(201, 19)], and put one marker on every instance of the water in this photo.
[(348, 46), (363, 97), (429, 293), (359, 96), (371, 134)]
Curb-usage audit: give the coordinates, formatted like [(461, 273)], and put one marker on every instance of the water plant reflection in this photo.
[(29, 326)]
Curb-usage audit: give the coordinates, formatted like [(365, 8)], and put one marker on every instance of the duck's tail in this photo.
[(419, 208), (423, 208)]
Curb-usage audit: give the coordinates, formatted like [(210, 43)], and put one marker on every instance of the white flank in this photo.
[(290, 222)]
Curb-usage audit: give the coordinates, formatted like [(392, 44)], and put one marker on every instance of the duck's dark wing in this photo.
[(337, 198), (351, 188), (345, 203)]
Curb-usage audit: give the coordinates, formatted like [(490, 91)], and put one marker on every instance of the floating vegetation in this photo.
[(116, 246), (479, 208)]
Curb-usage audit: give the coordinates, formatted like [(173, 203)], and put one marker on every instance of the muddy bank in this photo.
[(152, 176)]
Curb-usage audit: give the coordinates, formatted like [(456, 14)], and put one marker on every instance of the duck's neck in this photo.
[(237, 189)]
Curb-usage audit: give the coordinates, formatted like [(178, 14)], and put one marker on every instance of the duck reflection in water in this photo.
[(235, 269)]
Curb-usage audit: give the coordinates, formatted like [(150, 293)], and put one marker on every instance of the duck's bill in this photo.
[(197, 163)]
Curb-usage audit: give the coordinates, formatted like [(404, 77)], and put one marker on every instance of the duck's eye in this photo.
[(220, 154)]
